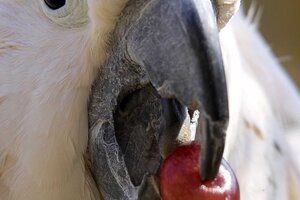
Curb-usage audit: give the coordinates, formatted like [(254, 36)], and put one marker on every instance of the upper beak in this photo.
[(164, 52), (177, 44)]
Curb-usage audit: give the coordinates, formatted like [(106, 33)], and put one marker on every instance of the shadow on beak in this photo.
[(165, 60)]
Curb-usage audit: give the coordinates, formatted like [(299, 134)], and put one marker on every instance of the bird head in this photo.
[(152, 64)]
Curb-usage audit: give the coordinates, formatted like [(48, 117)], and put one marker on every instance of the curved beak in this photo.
[(165, 57), (177, 44)]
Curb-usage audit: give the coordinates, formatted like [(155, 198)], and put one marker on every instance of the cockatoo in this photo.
[(58, 133)]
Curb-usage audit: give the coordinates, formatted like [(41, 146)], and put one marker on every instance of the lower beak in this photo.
[(165, 58)]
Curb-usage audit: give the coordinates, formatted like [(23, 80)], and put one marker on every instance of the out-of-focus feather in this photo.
[(264, 107)]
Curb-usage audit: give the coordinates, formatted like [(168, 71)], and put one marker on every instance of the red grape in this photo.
[(180, 178)]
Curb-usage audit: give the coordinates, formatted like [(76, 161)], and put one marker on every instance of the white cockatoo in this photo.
[(50, 54)]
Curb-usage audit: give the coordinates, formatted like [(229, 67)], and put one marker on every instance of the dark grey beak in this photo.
[(177, 44), (165, 57)]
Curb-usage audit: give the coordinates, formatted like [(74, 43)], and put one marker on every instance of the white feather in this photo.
[(46, 71), (264, 106)]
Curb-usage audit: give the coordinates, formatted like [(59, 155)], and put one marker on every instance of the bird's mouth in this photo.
[(165, 63)]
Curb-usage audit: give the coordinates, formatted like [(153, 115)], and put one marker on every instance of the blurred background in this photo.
[(280, 25)]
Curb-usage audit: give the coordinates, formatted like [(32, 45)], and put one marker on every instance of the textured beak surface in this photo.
[(165, 58)]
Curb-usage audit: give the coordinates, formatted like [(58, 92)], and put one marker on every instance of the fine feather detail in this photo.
[(46, 71)]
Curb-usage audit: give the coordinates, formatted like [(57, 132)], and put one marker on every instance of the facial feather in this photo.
[(46, 71)]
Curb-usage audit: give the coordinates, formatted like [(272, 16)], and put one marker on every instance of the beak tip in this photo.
[(212, 135), (208, 171)]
